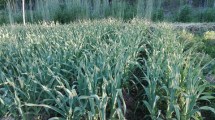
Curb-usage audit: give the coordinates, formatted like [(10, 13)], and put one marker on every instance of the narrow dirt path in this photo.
[(196, 28)]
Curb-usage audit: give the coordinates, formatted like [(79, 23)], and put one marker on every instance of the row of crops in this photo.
[(101, 70)]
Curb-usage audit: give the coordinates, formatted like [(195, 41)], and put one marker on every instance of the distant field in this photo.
[(106, 69)]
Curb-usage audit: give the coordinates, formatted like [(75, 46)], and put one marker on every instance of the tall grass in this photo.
[(80, 70)]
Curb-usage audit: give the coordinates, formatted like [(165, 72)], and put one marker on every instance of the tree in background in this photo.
[(22, 11), (149, 9)]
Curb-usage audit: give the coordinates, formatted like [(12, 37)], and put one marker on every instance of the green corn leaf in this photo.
[(56, 118), (47, 106), (177, 111), (207, 108)]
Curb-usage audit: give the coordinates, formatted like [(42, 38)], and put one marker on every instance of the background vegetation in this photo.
[(65, 11)]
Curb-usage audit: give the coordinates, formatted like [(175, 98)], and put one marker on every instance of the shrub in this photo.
[(209, 15), (158, 15), (185, 14), (3, 18), (209, 35), (129, 12)]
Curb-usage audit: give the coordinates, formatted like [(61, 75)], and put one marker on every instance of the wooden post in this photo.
[(23, 11)]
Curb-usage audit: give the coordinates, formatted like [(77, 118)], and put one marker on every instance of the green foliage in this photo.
[(209, 48), (65, 11), (209, 41), (169, 72), (64, 16), (80, 70), (209, 15), (158, 15), (129, 12), (3, 18), (185, 14), (71, 70)]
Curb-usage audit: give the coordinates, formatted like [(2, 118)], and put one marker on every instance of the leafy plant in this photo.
[(81, 70)]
